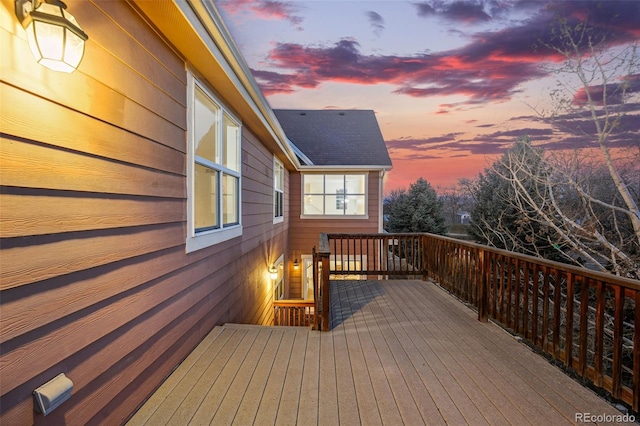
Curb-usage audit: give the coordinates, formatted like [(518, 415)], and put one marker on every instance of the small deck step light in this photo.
[(49, 396), (55, 38)]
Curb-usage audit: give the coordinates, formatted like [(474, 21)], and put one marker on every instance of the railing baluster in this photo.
[(405, 268), (335, 251), (293, 312), (546, 284), (496, 289), (509, 284), (534, 314), (584, 333), (416, 254), (599, 336), (618, 329), (557, 292), (348, 255), (483, 309), (362, 263), (516, 310), (568, 345), (378, 258)]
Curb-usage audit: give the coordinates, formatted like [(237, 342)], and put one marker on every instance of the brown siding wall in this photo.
[(94, 278), (304, 233)]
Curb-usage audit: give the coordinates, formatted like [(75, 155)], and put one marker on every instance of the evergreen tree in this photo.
[(415, 210)]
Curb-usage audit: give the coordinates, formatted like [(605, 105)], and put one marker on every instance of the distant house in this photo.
[(463, 217), (146, 197)]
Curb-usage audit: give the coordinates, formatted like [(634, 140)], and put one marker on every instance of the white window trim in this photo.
[(305, 260), (279, 281), (278, 163), (205, 239), (336, 216)]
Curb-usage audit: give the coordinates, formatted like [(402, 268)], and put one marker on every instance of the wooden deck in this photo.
[(400, 352)]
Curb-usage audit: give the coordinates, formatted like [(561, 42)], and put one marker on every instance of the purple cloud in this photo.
[(376, 21), (616, 93), (468, 12), (482, 79), (490, 68)]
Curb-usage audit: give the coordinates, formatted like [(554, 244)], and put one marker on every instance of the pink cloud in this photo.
[(265, 9)]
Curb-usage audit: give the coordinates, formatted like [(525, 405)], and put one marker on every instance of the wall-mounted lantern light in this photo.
[(273, 272), (55, 38), (296, 264)]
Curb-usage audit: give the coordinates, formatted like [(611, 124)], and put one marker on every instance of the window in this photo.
[(349, 263), (278, 191), (213, 172), (334, 195)]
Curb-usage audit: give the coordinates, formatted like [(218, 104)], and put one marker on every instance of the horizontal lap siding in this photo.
[(304, 233), (94, 277)]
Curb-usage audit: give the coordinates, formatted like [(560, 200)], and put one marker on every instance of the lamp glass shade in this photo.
[(55, 38), (273, 273)]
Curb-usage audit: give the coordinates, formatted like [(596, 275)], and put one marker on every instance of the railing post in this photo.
[(324, 252), (316, 299), (326, 293), (483, 295)]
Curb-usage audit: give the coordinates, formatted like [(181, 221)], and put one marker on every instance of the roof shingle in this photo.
[(336, 137)]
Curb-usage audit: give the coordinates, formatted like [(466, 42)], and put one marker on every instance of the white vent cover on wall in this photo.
[(53, 393)]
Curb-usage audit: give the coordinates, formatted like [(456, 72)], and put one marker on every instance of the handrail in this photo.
[(293, 302), (587, 320)]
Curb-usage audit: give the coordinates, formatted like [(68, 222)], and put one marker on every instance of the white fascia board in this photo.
[(300, 154), (342, 168), (208, 24)]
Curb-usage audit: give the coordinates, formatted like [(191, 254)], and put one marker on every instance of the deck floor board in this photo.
[(400, 352), (248, 407)]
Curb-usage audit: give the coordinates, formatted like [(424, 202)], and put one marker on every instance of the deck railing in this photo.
[(299, 313), (586, 320)]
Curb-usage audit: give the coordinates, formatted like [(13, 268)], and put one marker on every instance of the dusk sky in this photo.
[(453, 83)]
